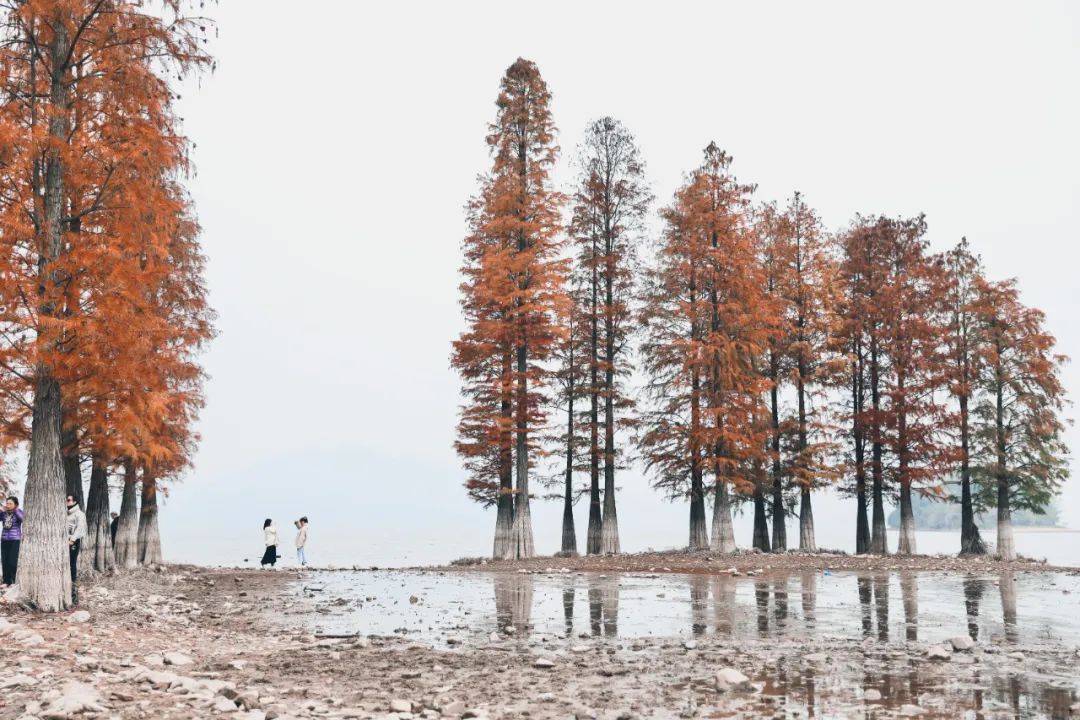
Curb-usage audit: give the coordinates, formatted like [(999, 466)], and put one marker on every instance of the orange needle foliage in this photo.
[(103, 305), (512, 299)]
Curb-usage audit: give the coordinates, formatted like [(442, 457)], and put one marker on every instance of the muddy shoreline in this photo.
[(184, 642)]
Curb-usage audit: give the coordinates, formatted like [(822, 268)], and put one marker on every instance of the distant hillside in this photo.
[(935, 515)]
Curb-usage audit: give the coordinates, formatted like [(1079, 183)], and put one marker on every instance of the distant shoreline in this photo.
[(992, 530)]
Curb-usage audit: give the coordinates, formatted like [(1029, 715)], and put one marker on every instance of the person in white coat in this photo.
[(76, 531), (270, 538), (301, 539)]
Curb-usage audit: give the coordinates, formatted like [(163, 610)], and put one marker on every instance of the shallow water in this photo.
[(875, 628), (1016, 607)]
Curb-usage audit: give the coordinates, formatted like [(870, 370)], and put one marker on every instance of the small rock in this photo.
[(872, 695), (543, 663), (175, 658), (74, 698), (962, 643), (731, 679), (816, 657), (690, 645), (400, 706), (938, 652), (413, 599), (911, 710), (79, 617)]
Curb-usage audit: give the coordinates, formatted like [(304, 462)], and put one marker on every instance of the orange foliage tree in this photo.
[(513, 301), (91, 163)]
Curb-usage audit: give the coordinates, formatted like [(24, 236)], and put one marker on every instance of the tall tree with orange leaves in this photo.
[(708, 321), (609, 208), (513, 299), (741, 323), (86, 109)]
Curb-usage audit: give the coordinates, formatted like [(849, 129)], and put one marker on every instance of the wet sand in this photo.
[(188, 642)]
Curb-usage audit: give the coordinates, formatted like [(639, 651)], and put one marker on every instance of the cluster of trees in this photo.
[(777, 357), (102, 301)]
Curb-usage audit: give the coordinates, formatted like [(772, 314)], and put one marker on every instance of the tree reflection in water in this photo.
[(513, 602), (909, 591)]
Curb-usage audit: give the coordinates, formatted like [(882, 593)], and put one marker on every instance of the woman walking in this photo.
[(270, 537), (11, 517), (301, 540)]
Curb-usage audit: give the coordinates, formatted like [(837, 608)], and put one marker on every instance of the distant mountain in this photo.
[(938, 515)]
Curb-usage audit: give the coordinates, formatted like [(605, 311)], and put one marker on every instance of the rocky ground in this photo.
[(745, 561), (184, 642)]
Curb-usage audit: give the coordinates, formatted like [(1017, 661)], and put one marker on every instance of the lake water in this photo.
[(875, 628)]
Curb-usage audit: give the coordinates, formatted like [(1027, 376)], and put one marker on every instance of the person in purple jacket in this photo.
[(11, 517)]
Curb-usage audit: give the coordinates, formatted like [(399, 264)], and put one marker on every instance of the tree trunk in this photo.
[(906, 546), (1006, 543), (594, 539), (503, 548), (569, 535), (69, 448), (97, 547), (699, 535), (779, 528), (879, 543), (761, 522), (971, 542), (126, 547), (522, 534), (149, 539), (609, 529), (722, 529), (862, 528), (806, 523), (44, 577)]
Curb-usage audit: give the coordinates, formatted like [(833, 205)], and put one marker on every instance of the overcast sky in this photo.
[(338, 142)]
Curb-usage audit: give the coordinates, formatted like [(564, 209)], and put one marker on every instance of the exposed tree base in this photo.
[(149, 538), (609, 528), (699, 533), (807, 540), (906, 544), (126, 545), (503, 548), (723, 531), (522, 535)]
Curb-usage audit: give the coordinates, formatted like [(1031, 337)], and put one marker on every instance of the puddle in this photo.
[(874, 628)]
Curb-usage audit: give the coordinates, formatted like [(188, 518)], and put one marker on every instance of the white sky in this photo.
[(336, 147)]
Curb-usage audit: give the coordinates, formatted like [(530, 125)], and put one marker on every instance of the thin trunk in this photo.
[(69, 444), (879, 544), (126, 547), (779, 528), (807, 540), (503, 548), (594, 539), (569, 536), (862, 528), (722, 529), (149, 538), (699, 535), (44, 578), (906, 546), (609, 530), (761, 522), (971, 542), (1006, 543), (97, 548)]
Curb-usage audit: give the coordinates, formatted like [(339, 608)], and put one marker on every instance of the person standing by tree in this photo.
[(113, 527), (76, 531), (11, 517), (270, 538), (301, 539)]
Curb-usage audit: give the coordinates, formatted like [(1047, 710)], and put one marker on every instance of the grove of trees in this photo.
[(745, 353), (103, 305)]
